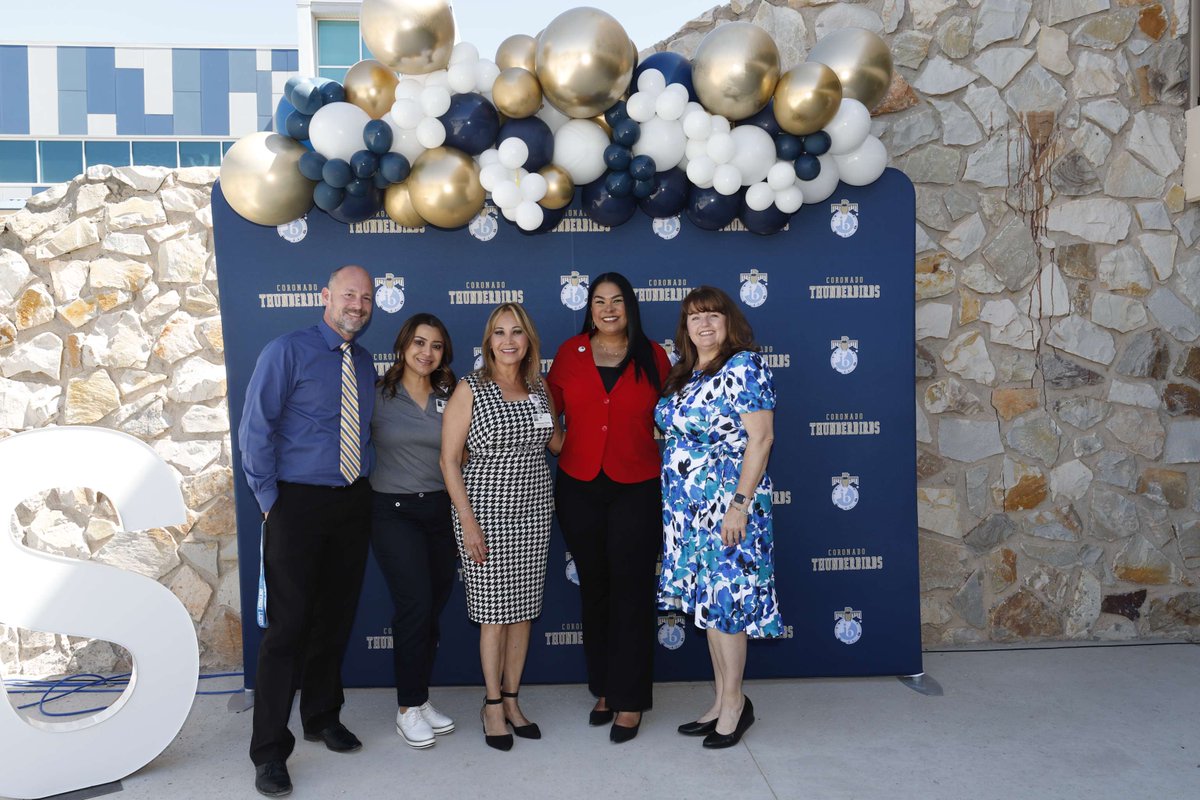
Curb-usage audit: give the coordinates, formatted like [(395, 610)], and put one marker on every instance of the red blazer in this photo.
[(613, 430)]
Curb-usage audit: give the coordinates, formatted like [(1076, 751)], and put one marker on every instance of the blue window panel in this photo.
[(336, 73), (187, 113), (38, 189), (131, 102), (199, 154), (72, 112), (18, 162), (14, 89), (155, 154), (337, 43), (279, 61), (265, 106), (160, 125), (225, 147), (185, 70), (101, 80), (72, 69), (266, 122), (214, 92), (243, 71), (293, 60), (115, 154), (61, 161)]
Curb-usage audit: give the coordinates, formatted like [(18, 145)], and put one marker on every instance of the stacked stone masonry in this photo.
[(1058, 334)]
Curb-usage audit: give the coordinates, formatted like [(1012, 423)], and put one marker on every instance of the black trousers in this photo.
[(413, 539), (614, 532), (315, 553)]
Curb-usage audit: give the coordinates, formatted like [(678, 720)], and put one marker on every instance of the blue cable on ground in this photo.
[(90, 683)]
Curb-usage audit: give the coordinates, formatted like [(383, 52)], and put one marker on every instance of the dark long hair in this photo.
[(739, 335), (640, 351), (442, 377)]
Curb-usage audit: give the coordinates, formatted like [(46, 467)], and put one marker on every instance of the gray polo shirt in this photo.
[(408, 443)]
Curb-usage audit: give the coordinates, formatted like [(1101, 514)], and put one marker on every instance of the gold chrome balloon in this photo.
[(806, 98), (603, 123), (518, 50), (444, 187), (410, 36), (560, 189), (861, 60), (735, 69), (398, 204), (371, 86), (261, 179), (517, 93), (584, 62)]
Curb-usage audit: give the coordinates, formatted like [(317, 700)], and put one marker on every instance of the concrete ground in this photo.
[(1045, 723)]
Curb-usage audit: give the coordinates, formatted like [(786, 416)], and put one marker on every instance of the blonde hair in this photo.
[(531, 364)]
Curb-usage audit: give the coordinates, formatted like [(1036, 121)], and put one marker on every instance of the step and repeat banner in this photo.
[(831, 302)]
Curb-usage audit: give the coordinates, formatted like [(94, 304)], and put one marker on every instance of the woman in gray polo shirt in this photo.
[(411, 531)]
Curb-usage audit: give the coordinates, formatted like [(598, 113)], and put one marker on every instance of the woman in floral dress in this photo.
[(717, 416)]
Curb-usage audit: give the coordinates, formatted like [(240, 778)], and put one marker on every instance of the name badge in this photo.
[(543, 420), (440, 405)]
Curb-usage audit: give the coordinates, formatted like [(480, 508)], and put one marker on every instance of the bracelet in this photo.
[(742, 509)]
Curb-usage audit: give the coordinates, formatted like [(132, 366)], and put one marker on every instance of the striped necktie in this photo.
[(350, 457)]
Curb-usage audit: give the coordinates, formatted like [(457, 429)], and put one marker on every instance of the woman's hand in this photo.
[(473, 544), (733, 527)]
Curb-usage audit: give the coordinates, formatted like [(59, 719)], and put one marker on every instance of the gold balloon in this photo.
[(261, 179), (861, 60), (560, 189), (584, 62), (517, 93), (806, 98), (398, 204), (735, 69), (371, 86), (444, 187), (603, 123), (518, 50), (410, 36)]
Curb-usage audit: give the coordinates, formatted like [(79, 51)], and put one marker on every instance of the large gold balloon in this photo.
[(410, 36), (261, 179), (584, 62), (560, 189), (444, 187), (517, 93), (518, 50), (806, 98), (371, 86), (735, 69), (398, 204), (861, 60)]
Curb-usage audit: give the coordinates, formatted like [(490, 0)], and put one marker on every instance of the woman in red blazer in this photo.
[(606, 382)]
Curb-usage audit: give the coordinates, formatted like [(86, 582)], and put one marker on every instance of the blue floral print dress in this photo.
[(729, 589)]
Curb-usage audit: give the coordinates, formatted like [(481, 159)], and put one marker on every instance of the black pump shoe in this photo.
[(530, 731), (619, 734), (717, 741), (503, 741), (598, 718), (698, 728)]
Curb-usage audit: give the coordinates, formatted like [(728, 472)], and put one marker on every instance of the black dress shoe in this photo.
[(618, 734), (272, 779), (597, 718), (718, 741), (336, 738), (698, 728), (527, 731), (502, 742)]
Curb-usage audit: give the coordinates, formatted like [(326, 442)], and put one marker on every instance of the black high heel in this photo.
[(717, 741), (503, 741), (619, 734), (602, 717), (530, 731)]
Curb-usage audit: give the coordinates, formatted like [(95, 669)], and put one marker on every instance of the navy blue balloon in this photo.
[(331, 91), (670, 194), (764, 223), (377, 136), (359, 187), (364, 163), (642, 168), (617, 157), (627, 132), (536, 135), (605, 208), (328, 197), (306, 97), (312, 166), (297, 125), (619, 183), (290, 86), (380, 180), (337, 173), (788, 146), (357, 208), (674, 67), (765, 119), (282, 110), (471, 123), (817, 143), (550, 219), (711, 210), (616, 114), (807, 167), (643, 189), (394, 167)]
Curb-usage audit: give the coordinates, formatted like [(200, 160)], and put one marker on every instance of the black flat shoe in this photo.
[(698, 728), (718, 741), (598, 718), (503, 741), (336, 738), (529, 731), (272, 780), (619, 734)]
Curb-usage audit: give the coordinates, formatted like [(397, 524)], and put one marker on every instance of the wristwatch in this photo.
[(739, 499)]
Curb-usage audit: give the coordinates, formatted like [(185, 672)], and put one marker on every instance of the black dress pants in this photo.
[(413, 539), (315, 553), (614, 532)]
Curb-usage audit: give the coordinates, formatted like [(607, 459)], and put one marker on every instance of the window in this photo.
[(115, 154), (339, 47), (18, 162), (225, 148), (61, 161), (199, 154), (155, 154)]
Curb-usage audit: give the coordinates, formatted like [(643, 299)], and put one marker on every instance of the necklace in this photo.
[(610, 353)]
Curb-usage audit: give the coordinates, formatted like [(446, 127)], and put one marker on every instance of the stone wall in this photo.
[(1058, 367)]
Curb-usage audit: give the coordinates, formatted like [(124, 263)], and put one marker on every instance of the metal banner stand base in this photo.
[(922, 683)]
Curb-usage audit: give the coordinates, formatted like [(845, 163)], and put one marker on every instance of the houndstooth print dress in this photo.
[(509, 486)]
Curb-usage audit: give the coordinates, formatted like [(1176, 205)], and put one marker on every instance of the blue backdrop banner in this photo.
[(831, 302)]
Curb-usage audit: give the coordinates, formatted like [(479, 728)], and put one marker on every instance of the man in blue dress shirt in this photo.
[(304, 439)]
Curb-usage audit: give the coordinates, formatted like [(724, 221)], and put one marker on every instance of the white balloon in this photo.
[(759, 197), (695, 148), (823, 186), (336, 130), (435, 100), (462, 76), (513, 152), (408, 89), (721, 148), (720, 124), (436, 79), (697, 124), (670, 105), (431, 133), (509, 212), (781, 175), (693, 106), (553, 118), (789, 200), (726, 179), (849, 127), (640, 107), (529, 215), (579, 149), (488, 157), (700, 171), (864, 165), (651, 81), (464, 51), (404, 141), (493, 175), (664, 141), (533, 186), (407, 113), (486, 73), (506, 194), (754, 153)]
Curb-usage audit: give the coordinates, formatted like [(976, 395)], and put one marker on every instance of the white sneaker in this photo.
[(411, 725), (438, 721)]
